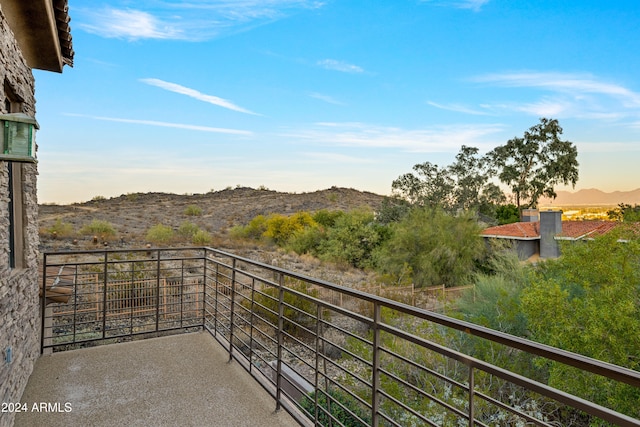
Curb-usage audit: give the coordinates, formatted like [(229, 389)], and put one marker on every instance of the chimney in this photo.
[(530, 215), (550, 226)]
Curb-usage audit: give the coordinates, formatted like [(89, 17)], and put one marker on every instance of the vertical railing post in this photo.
[(319, 348), (251, 322), (233, 298), (280, 341), (375, 398), (472, 387), (43, 306), (105, 272), (205, 269), (181, 292), (158, 291), (75, 301), (133, 295), (216, 292)]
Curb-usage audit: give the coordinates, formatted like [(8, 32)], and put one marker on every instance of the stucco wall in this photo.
[(19, 300)]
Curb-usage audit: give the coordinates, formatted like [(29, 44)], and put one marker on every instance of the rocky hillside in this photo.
[(133, 214)]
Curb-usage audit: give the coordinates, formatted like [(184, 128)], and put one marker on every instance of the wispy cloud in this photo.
[(345, 67), (434, 139), (575, 84), (184, 20), (459, 108), (474, 5), (326, 98), (183, 90), (128, 24), (165, 124), (576, 95), (326, 157)]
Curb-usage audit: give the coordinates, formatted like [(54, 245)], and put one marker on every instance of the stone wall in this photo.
[(19, 300)]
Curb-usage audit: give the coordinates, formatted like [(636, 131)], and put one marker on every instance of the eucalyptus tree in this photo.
[(534, 164), (465, 184)]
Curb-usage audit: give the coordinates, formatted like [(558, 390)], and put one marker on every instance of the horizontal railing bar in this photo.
[(346, 332), (389, 419), (425, 369), (350, 353), (424, 393), (514, 411), (560, 396), (408, 409), (364, 403), (573, 359), (207, 280), (345, 370)]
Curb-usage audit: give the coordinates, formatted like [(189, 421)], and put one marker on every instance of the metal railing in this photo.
[(368, 361)]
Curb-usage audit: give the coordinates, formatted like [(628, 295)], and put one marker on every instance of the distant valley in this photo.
[(593, 197)]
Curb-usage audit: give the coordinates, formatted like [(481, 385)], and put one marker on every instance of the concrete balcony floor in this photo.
[(181, 380)]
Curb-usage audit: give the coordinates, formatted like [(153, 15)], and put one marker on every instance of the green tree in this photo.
[(625, 212), (465, 184), (587, 302), (432, 186), (352, 239), (436, 247), (507, 214), (533, 165)]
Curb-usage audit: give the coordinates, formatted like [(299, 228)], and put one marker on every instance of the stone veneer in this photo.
[(19, 300)]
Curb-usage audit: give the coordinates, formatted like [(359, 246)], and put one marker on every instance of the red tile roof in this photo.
[(570, 230)]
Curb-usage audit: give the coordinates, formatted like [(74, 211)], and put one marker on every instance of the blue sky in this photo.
[(299, 95)]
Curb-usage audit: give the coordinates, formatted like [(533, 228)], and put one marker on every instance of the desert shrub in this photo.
[(99, 228), (352, 239), (60, 228), (327, 218), (201, 237), (440, 248), (280, 228), (306, 241), (98, 199), (296, 319), (192, 210), (254, 230), (160, 234), (337, 403), (187, 230)]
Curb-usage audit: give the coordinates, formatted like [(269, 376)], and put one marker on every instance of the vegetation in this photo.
[(60, 229), (625, 212), (297, 320), (341, 407), (102, 229), (192, 210), (201, 237), (160, 234), (532, 165), (436, 248), (587, 302), (466, 184)]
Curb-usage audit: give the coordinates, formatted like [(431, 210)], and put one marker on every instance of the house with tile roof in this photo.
[(539, 232)]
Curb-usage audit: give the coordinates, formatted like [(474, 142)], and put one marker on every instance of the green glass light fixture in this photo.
[(17, 137)]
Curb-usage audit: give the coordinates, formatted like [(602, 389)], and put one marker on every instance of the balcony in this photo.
[(323, 354)]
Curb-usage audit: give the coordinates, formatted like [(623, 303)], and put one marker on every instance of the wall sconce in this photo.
[(17, 137)]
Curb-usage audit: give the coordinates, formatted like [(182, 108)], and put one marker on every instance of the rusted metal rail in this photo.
[(370, 360)]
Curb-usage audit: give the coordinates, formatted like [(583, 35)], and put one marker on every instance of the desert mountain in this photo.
[(593, 197)]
